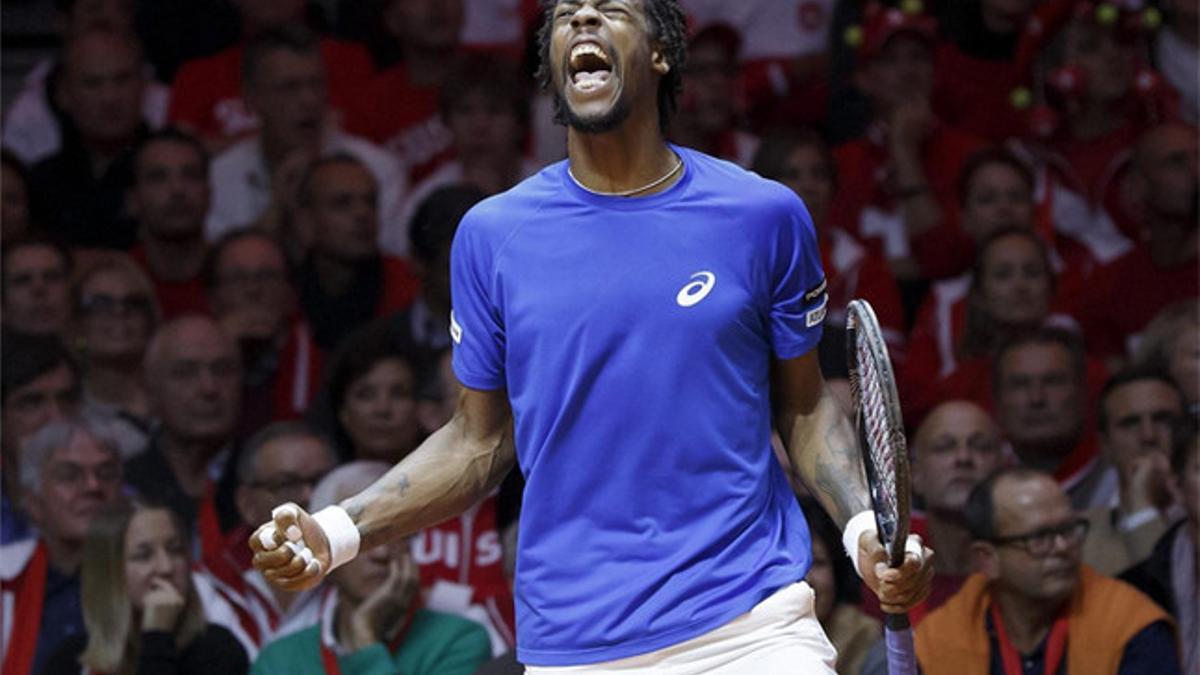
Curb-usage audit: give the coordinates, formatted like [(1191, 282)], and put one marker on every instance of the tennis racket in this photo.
[(880, 428)]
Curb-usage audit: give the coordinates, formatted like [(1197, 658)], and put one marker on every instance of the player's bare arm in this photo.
[(824, 455), (455, 467)]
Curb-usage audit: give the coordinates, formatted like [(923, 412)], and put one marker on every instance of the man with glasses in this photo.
[(280, 463), (1033, 607), (69, 473), (253, 300)]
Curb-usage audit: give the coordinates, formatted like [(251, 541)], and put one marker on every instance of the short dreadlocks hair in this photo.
[(668, 27)]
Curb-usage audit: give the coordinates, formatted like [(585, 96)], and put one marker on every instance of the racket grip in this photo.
[(901, 655)]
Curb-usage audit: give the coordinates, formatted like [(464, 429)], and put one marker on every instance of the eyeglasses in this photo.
[(1041, 542), (102, 303)]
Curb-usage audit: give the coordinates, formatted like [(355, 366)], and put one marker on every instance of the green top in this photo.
[(436, 644)]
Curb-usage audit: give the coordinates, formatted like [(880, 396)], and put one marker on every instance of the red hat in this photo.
[(883, 23)]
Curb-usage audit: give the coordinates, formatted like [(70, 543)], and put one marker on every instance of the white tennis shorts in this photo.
[(778, 635)]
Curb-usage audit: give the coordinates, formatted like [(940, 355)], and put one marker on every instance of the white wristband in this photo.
[(864, 521), (341, 532)]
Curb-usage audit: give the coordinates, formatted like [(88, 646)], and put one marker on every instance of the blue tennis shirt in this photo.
[(634, 337)]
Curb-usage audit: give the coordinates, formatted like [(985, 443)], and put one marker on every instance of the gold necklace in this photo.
[(626, 193)]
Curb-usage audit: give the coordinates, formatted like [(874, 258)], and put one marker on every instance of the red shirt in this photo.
[(207, 93), (175, 298), (865, 202), (404, 118), (1126, 294)]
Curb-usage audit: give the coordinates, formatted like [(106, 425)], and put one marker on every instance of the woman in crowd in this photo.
[(372, 387), (142, 613), (115, 315)]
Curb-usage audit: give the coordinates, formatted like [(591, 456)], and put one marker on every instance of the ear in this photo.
[(245, 505), (659, 62), (985, 559)]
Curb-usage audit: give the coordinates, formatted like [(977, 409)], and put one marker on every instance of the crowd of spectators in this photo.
[(225, 285)]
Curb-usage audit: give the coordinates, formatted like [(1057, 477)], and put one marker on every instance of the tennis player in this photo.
[(627, 324)]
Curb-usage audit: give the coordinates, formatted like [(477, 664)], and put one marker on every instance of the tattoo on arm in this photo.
[(825, 455)]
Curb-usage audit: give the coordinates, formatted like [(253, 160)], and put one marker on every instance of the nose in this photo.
[(162, 562), (586, 15), (963, 455)]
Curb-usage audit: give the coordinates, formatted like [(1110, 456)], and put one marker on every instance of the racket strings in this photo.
[(874, 406)]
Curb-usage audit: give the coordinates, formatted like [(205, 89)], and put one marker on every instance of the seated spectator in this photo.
[(783, 59), (282, 462), (709, 119), (81, 188), (207, 96), (115, 315), (372, 385), (486, 107), (193, 376), (1039, 382), (33, 120), (401, 106), (372, 619), (1170, 575), (140, 607), (253, 300), (802, 161), (285, 83), (345, 280), (36, 288), (1032, 606), (977, 69), (955, 448), (896, 185), (169, 200), (1177, 55), (1171, 344), (835, 587), (69, 473), (40, 384), (1011, 293), (16, 218), (1137, 411), (1163, 267), (423, 327)]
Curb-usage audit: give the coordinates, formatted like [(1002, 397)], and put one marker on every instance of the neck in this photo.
[(102, 153), (1095, 120), (1047, 456), (64, 555), (1027, 622), (188, 460), (620, 160), (1174, 241), (952, 540), (118, 384), (334, 276), (277, 150), (176, 260)]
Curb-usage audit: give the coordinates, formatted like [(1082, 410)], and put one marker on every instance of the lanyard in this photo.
[(1056, 646), (329, 659), (30, 591)]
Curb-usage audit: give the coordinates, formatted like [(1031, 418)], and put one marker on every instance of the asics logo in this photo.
[(455, 329), (697, 289)]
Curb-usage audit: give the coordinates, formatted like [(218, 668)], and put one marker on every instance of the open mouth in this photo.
[(588, 66)]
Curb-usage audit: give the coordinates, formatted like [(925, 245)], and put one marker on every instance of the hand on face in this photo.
[(381, 612), (902, 588), (161, 606), (281, 563), (1147, 483)]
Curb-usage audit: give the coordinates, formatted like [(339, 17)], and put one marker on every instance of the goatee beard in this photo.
[(609, 121)]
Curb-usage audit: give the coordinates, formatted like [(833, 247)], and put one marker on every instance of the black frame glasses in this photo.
[(1041, 542)]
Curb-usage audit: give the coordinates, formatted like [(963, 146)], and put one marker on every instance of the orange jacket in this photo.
[(1104, 615)]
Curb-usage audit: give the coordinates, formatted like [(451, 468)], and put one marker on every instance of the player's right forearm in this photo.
[(455, 467)]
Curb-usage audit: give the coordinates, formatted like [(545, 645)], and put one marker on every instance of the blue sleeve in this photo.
[(476, 324), (798, 294), (1151, 652)]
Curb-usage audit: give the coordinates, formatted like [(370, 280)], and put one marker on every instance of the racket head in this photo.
[(880, 427)]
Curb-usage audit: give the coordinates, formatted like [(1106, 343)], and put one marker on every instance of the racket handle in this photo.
[(898, 638)]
